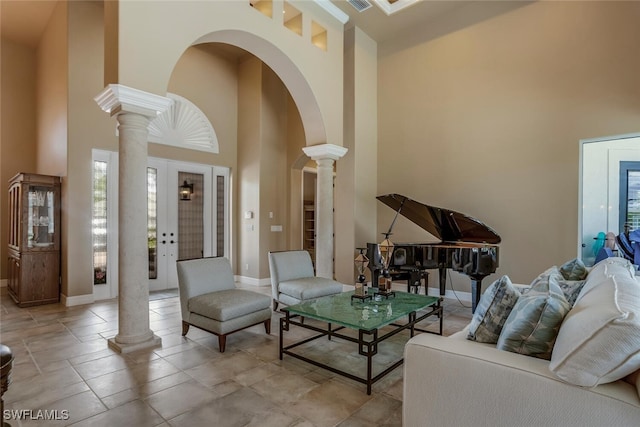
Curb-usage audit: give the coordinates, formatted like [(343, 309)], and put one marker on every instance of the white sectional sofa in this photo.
[(453, 381)]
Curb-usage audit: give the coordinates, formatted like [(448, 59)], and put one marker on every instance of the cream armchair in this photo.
[(210, 301), (293, 279)]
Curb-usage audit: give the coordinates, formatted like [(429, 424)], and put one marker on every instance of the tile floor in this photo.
[(63, 366)]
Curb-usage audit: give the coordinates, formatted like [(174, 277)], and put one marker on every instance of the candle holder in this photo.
[(361, 263), (385, 248)]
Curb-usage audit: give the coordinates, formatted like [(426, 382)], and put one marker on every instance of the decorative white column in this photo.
[(133, 109), (324, 155)]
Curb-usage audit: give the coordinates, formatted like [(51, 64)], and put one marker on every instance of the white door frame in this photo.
[(172, 167), (598, 186), (110, 289)]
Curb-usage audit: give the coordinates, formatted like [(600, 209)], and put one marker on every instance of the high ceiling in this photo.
[(23, 21), (388, 18)]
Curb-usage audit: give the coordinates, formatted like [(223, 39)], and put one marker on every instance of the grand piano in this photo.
[(466, 245)]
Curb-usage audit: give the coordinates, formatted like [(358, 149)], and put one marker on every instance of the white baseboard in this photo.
[(3, 283), (461, 295), (253, 281), (76, 300)]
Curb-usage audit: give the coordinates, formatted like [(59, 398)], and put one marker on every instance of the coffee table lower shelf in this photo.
[(367, 342)]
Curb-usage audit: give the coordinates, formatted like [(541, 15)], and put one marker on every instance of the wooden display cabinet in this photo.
[(34, 239)]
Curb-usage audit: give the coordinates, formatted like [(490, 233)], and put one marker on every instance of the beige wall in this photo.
[(52, 95), (273, 169), (18, 130), (295, 161), (88, 127), (487, 121), (248, 183), (356, 178), (111, 44), (146, 62), (263, 166)]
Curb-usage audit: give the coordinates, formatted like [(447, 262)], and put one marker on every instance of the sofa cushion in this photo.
[(492, 311), (634, 380), (574, 270), (228, 304), (533, 324), (310, 287), (599, 340)]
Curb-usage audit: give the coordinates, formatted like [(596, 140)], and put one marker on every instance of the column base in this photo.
[(154, 341)]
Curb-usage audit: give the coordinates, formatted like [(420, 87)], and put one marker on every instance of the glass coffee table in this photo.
[(367, 317)]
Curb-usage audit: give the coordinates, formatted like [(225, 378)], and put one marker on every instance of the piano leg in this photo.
[(443, 279), (476, 291)]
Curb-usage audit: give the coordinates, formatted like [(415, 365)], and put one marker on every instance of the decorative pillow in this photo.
[(571, 289), (544, 276), (574, 270), (492, 311), (606, 268), (599, 340), (533, 324)]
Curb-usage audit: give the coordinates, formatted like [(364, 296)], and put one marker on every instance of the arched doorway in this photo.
[(260, 135)]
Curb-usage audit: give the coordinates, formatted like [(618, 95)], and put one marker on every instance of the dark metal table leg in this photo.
[(284, 326), (412, 320)]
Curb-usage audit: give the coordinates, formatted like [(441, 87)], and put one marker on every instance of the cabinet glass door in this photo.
[(41, 221)]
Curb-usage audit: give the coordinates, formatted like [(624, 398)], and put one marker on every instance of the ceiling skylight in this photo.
[(392, 6)]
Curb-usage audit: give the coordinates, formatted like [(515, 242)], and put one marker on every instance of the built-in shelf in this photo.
[(309, 239), (318, 35), (292, 18), (263, 6)]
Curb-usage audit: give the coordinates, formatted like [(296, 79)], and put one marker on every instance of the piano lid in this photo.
[(445, 224)]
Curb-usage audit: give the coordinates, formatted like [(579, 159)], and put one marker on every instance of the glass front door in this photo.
[(179, 224), (178, 227)]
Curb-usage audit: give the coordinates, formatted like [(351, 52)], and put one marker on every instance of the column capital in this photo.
[(116, 98), (325, 151)]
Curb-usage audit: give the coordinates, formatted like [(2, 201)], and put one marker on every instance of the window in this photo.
[(629, 195), (99, 222), (152, 221), (221, 219)]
